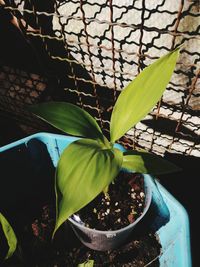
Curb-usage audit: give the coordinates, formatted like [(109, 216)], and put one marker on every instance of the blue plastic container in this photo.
[(170, 221)]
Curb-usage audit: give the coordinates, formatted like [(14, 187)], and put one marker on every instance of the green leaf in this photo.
[(144, 162), (68, 118), (85, 168), (89, 263), (139, 97), (10, 236)]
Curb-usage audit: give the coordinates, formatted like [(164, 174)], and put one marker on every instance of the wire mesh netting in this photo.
[(88, 51)]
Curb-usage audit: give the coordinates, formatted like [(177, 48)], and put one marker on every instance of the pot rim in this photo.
[(148, 200)]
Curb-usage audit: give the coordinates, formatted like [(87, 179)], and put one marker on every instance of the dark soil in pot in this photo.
[(117, 208)]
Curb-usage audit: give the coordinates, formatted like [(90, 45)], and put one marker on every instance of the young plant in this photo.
[(89, 165)]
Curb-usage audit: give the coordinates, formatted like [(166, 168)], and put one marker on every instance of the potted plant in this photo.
[(43, 151), (91, 165), (164, 235)]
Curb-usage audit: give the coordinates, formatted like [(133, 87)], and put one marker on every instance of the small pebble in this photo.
[(116, 204), (108, 211), (142, 194), (119, 220), (133, 195), (118, 210), (94, 210)]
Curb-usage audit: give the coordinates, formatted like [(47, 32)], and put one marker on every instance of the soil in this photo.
[(121, 205), (132, 254), (37, 250)]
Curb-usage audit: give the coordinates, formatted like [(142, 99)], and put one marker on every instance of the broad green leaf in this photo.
[(89, 263), (10, 236), (139, 97), (85, 168), (144, 162), (68, 118)]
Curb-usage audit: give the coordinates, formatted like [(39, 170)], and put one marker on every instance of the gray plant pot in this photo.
[(108, 240)]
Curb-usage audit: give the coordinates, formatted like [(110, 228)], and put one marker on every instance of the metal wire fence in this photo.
[(88, 51)]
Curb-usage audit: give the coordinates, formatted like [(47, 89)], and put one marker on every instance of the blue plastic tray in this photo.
[(173, 235)]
